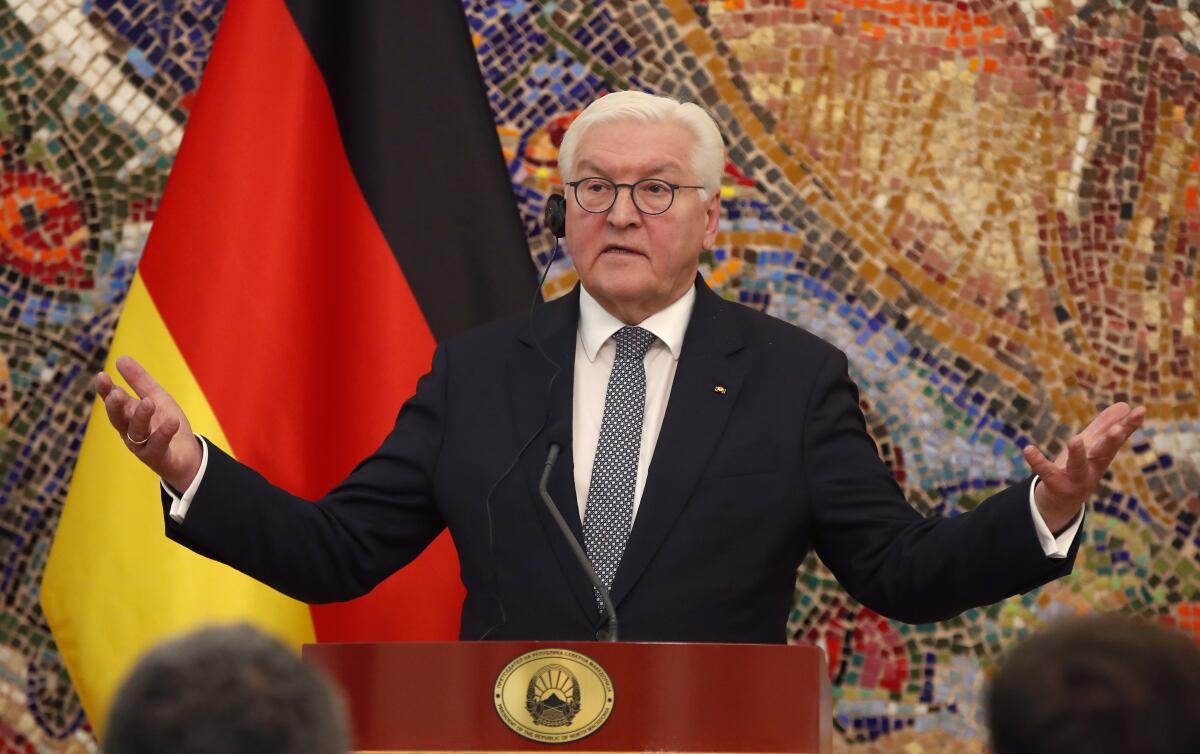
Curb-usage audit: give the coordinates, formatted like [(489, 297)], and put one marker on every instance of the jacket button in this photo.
[(603, 635)]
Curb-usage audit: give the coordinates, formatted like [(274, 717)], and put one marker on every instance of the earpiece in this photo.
[(555, 215)]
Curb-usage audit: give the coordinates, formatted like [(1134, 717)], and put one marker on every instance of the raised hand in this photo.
[(1072, 477), (152, 426)]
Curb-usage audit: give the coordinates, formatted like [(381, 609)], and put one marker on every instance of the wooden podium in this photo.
[(619, 697)]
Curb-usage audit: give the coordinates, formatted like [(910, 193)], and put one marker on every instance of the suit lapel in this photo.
[(556, 324), (712, 358)]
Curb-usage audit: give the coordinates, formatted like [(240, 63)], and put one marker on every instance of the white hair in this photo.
[(708, 150)]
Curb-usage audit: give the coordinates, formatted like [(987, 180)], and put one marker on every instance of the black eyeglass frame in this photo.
[(632, 194)]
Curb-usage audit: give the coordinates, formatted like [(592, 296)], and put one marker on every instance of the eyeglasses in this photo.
[(650, 195)]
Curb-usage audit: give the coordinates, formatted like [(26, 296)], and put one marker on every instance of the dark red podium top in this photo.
[(665, 697)]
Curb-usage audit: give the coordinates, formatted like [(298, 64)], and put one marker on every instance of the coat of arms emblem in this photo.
[(554, 696)]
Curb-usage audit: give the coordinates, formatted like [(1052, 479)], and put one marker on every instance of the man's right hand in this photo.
[(152, 426)]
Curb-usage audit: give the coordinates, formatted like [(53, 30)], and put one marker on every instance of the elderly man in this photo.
[(710, 446)]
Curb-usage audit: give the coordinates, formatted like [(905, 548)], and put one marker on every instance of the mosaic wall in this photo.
[(93, 98), (991, 206)]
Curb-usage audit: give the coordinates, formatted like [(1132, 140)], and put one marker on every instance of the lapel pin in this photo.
[(720, 389)]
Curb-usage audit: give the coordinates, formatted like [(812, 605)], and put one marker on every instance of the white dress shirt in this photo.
[(594, 353), (595, 350)]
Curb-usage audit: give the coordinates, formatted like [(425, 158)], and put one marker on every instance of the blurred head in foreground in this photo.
[(225, 690), (1098, 685)]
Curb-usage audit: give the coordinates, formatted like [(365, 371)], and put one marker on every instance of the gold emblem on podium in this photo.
[(553, 695)]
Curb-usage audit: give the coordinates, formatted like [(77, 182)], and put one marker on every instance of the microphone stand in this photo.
[(604, 634)]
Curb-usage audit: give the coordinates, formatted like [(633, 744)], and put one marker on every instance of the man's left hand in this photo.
[(1072, 477)]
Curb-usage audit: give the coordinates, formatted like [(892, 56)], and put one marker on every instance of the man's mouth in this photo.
[(622, 250)]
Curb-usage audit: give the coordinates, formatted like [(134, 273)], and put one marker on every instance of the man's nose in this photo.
[(624, 212)]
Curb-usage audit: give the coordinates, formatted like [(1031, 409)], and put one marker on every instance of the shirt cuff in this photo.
[(181, 503), (1054, 547)]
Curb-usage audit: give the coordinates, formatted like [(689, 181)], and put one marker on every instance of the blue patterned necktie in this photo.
[(609, 513)]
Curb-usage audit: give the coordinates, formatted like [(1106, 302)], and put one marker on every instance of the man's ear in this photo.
[(712, 217)]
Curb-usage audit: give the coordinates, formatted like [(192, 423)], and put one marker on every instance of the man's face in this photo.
[(634, 264)]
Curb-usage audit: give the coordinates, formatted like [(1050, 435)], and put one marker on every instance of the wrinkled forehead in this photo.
[(635, 148)]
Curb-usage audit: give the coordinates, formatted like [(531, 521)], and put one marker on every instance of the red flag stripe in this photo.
[(282, 294)]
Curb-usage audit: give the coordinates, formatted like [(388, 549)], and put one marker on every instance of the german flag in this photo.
[(339, 204)]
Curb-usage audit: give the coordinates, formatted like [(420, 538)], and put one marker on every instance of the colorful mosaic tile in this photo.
[(93, 98)]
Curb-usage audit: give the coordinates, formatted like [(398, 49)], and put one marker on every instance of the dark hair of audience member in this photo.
[(226, 690), (1098, 685)]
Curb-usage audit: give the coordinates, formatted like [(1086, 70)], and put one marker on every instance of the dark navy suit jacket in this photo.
[(743, 483)]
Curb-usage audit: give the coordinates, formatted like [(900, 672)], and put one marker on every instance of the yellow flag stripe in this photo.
[(114, 585)]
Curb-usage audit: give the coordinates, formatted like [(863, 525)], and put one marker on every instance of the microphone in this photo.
[(557, 438)]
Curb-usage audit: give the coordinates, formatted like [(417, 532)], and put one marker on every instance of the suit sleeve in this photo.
[(887, 555), (376, 521)]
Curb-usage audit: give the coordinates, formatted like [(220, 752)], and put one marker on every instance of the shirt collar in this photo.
[(596, 325)]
